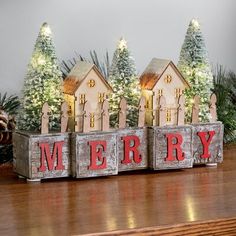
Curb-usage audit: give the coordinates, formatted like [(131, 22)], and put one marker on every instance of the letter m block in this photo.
[(42, 156)]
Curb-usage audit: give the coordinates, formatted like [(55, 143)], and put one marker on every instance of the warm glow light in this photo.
[(190, 209), (195, 23), (122, 44), (46, 30), (40, 60)]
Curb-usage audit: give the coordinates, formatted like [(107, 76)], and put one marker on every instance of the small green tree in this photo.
[(124, 81), (195, 67), (42, 84)]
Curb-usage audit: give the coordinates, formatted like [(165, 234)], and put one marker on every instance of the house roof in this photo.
[(155, 70), (78, 74)]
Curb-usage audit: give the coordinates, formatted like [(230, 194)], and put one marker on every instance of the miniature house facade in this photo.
[(85, 84), (162, 78)]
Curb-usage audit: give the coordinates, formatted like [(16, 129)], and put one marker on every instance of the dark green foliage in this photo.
[(225, 90), (103, 67), (9, 104)]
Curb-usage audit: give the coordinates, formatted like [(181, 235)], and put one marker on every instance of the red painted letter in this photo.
[(96, 154), (134, 149), (206, 142), (171, 146), (57, 150)]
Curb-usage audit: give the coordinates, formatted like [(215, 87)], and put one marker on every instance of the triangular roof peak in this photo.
[(154, 71), (77, 74)]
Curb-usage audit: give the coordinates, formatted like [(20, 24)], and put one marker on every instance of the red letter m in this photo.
[(57, 151)]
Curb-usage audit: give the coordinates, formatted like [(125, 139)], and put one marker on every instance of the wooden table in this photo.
[(200, 200)]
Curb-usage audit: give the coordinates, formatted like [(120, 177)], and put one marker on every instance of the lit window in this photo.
[(92, 120), (91, 83), (168, 79), (101, 97), (178, 92), (159, 92), (168, 115), (82, 98)]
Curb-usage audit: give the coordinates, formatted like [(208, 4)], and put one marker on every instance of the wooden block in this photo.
[(132, 149), (94, 154), (41, 156), (170, 147), (213, 134)]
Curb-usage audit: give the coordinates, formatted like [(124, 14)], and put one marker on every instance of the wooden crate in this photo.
[(159, 143), (41, 156), (214, 153), (132, 149), (94, 154)]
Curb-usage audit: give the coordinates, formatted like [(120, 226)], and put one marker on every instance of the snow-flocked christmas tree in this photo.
[(124, 81), (42, 84), (195, 67)]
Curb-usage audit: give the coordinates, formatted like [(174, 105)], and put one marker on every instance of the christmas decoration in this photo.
[(161, 78), (195, 67), (124, 81), (85, 84), (42, 84)]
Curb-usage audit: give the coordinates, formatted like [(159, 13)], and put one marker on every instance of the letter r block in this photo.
[(170, 147), (94, 154), (208, 143)]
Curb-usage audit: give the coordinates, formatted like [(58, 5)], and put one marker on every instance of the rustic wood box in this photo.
[(214, 135), (159, 157), (41, 156), (132, 149), (94, 154)]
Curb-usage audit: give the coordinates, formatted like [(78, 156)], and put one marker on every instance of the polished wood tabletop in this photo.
[(130, 201)]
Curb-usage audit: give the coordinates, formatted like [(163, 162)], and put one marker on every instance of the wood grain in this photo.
[(198, 201)]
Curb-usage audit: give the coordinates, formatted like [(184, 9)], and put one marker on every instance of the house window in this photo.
[(168, 115), (92, 119), (159, 92), (82, 98), (91, 83), (101, 97), (168, 79), (178, 92)]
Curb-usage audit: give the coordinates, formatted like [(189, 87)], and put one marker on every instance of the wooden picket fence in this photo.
[(105, 116)]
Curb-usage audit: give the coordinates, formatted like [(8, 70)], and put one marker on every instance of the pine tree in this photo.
[(195, 67), (42, 84), (124, 81)]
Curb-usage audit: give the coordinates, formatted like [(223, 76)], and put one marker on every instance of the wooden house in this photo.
[(162, 78), (83, 84)]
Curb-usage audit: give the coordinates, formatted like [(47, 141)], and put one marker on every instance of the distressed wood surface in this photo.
[(64, 117), (162, 111), (45, 118), (81, 154), (141, 114), (212, 107), (27, 154), (141, 134), (122, 113), (105, 116), (216, 144), (158, 147), (181, 110), (195, 109)]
